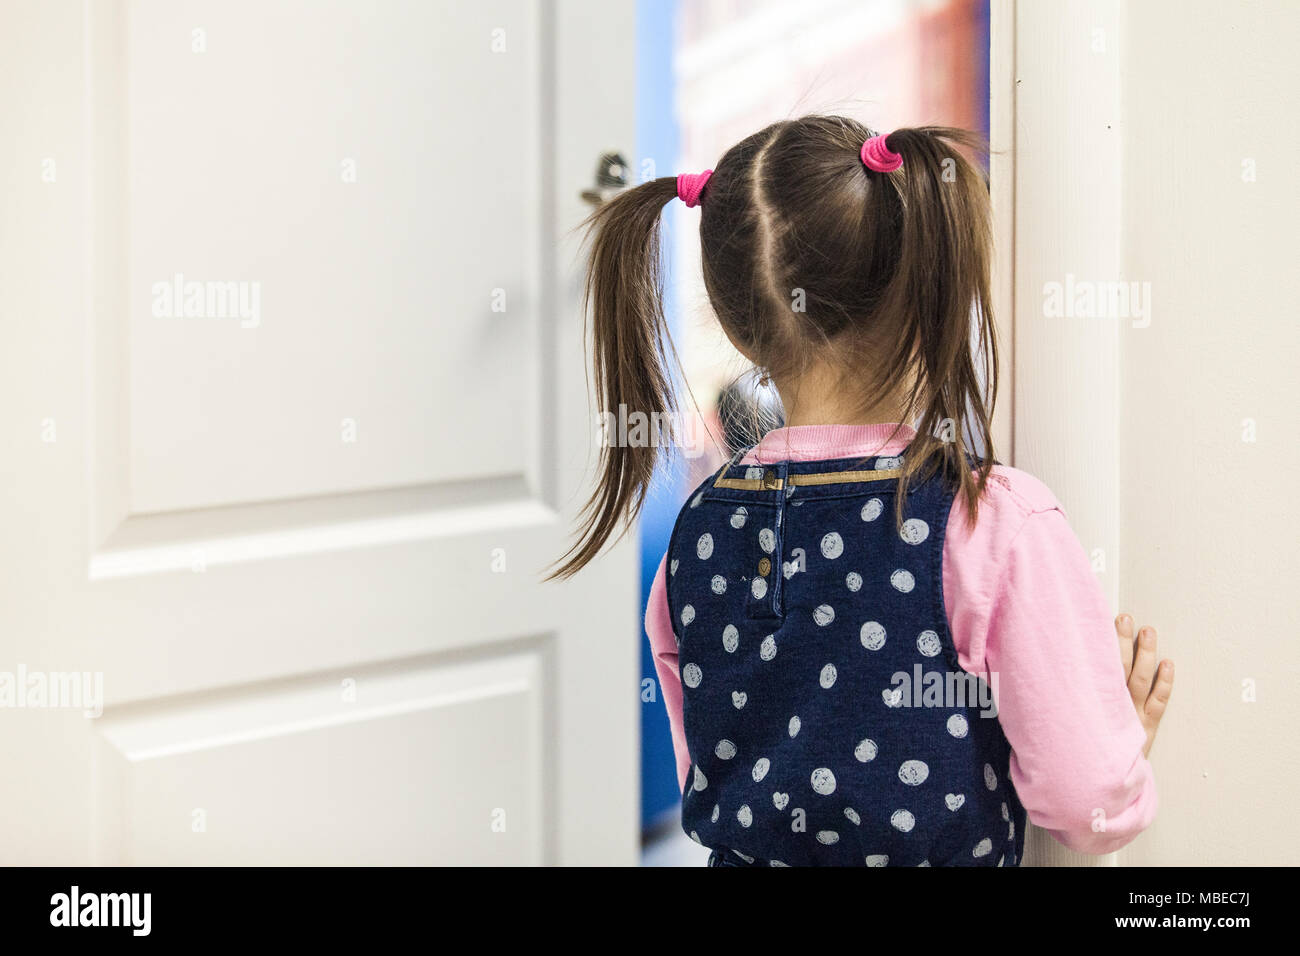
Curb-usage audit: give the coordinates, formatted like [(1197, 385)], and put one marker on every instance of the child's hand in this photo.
[(1150, 686)]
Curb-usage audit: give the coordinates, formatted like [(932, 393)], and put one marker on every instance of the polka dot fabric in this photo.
[(827, 718)]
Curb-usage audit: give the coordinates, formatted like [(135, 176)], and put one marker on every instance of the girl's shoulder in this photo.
[(1010, 500), (1014, 491), (1017, 512)]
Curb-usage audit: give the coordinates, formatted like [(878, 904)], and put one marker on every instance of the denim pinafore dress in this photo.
[(828, 720)]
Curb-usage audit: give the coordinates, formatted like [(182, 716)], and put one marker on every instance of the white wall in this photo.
[(1209, 517), (1170, 443)]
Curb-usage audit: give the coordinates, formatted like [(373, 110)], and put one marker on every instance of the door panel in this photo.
[(385, 140), (301, 548), (388, 748)]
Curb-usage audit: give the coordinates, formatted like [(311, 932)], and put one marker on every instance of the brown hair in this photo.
[(893, 270)]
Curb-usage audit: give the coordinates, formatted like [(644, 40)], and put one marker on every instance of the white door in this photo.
[(294, 413)]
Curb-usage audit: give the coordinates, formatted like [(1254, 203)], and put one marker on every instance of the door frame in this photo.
[(1055, 131)]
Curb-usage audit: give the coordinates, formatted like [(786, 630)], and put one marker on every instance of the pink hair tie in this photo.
[(877, 156), (691, 185)]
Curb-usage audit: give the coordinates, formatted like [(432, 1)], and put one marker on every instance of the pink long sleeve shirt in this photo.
[(1022, 604)]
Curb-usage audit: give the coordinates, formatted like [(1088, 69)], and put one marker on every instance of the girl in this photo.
[(875, 646)]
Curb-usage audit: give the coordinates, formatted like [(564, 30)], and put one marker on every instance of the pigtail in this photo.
[(631, 359), (943, 286)]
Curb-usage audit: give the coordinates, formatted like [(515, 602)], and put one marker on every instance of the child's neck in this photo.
[(801, 417), (818, 397), (810, 406)]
